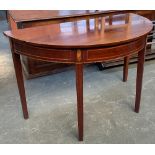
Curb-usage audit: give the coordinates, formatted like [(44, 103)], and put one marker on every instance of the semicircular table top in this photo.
[(88, 33)]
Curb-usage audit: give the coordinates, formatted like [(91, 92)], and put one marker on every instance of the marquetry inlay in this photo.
[(78, 56)]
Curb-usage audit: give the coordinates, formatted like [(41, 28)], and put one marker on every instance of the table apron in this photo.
[(111, 53), (79, 55)]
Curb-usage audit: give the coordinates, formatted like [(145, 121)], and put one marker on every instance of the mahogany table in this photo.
[(81, 42), (20, 19)]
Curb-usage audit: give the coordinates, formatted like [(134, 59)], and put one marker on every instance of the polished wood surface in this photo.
[(25, 18), (30, 18), (27, 15), (82, 42), (78, 34)]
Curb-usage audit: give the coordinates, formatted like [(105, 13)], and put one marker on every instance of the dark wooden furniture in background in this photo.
[(82, 42), (20, 19)]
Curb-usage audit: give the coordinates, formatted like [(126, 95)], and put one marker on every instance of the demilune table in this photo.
[(20, 19), (80, 42)]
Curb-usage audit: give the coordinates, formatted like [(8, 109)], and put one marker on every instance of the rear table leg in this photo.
[(125, 68)]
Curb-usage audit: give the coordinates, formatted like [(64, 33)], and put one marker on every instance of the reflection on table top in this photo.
[(34, 15), (86, 33)]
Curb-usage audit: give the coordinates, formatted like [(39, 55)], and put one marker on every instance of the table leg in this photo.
[(79, 90), (20, 82), (140, 69), (125, 68)]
